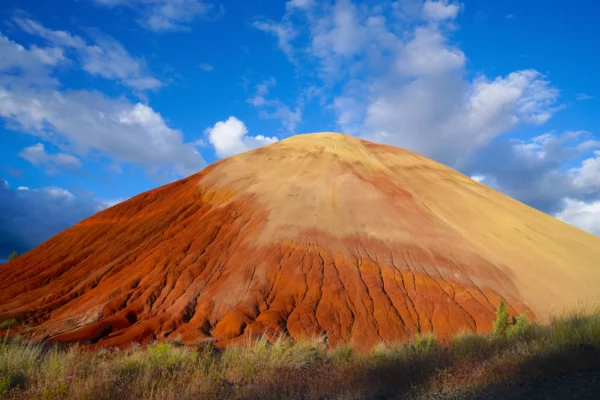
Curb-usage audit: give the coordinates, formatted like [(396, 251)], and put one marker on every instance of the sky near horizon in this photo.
[(103, 99)]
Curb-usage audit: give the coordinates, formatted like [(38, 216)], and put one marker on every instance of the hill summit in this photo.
[(320, 234)]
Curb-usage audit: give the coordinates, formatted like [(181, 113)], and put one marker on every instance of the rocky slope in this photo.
[(320, 234)]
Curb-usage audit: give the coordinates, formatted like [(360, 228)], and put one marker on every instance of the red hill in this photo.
[(319, 234)]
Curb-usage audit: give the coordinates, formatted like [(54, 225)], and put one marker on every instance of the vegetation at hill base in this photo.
[(519, 358)]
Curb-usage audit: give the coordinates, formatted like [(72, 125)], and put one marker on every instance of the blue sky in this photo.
[(103, 99)]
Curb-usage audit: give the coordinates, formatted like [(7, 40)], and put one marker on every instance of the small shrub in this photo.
[(13, 255), (518, 327), (501, 323), (505, 328), (424, 345)]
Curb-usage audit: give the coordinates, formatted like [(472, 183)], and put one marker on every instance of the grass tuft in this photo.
[(9, 323)]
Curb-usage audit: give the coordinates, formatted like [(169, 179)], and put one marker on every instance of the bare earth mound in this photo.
[(321, 234)]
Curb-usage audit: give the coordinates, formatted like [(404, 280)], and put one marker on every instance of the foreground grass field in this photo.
[(499, 365)]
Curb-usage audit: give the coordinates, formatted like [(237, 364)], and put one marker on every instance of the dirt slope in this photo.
[(320, 234)]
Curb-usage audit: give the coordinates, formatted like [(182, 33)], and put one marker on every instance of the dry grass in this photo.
[(303, 369)]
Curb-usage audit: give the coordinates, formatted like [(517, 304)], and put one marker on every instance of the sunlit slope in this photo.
[(320, 234)]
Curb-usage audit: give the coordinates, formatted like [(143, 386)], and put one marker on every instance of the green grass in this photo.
[(304, 369), (9, 323)]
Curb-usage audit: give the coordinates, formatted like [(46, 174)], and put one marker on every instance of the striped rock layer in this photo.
[(316, 235)]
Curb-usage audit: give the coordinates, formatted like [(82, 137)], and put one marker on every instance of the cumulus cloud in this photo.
[(28, 217), (91, 122), (534, 171), (274, 108), (584, 215), (83, 121), (587, 176), (105, 57), (38, 156), (448, 119), (440, 10), (167, 15), (406, 84), (478, 178), (429, 54), (231, 137)]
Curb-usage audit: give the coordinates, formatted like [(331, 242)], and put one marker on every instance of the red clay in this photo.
[(302, 238)]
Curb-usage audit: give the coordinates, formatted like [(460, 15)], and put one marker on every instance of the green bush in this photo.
[(13, 255), (424, 345), (519, 326), (504, 327), (501, 323)]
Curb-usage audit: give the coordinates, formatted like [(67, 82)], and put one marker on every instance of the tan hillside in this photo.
[(320, 234)]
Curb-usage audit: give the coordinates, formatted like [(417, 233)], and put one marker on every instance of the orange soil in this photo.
[(321, 234)]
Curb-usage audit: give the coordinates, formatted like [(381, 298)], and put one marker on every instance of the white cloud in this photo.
[(343, 34), (301, 4), (58, 193), (429, 54), (274, 108), (33, 64), (587, 176), (38, 156), (102, 204), (404, 83), (535, 171), (584, 215), (206, 67), (231, 137), (439, 10), (583, 96), (49, 55), (448, 119), (345, 40), (167, 15), (106, 57), (87, 121), (284, 33), (337, 33)]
